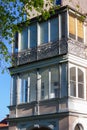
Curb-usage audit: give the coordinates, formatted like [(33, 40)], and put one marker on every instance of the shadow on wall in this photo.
[(41, 128)]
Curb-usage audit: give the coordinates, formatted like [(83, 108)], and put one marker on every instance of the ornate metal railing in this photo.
[(41, 52), (49, 50)]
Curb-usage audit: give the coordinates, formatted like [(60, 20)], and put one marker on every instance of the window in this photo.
[(33, 86), (16, 42), (44, 32), (78, 127), (42, 91), (63, 25), (33, 35), (57, 2), (76, 29), (72, 27), (24, 90), (80, 31), (24, 39), (73, 81), (44, 83), (76, 82), (54, 29), (55, 89)]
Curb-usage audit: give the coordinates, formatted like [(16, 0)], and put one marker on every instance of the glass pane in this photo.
[(55, 88), (24, 90), (58, 2), (73, 74), (54, 29), (24, 39), (80, 30), (33, 35), (78, 127), (33, 86), (44, 83), (72, 88), (72, 26), (16, 42), (63, 24), (80, 76), (80, 90), (44, 32)]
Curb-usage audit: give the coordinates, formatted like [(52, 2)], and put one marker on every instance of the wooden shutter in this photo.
[(72, 26)]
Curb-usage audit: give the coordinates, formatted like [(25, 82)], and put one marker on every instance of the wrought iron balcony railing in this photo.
[(50, 50), (41, 52)]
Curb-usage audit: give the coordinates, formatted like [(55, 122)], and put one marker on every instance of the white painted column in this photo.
[(59, 17), (48, 31), (49, 96), (19, 42), (38, 34), (11, 93), (38, 94), (28, 37), (28, 98), (38, 86)]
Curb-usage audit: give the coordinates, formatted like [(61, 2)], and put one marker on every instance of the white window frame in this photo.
[(84, 73)]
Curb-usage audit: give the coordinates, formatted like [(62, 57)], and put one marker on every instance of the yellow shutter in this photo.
[(80, 31), (72, 26)]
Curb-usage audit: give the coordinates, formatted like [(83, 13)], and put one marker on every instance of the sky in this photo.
[(5, 84)]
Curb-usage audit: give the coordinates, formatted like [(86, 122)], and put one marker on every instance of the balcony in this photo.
[(50, 50), (41, 52)]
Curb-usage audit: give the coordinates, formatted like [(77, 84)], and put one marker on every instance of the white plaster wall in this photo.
[(77, 105), (80, 5)]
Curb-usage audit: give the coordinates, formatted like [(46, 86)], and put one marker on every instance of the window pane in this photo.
[(44, 83), (72, 26), (80, 76), (57, 2), (24, 39), (54, 29), (44, 32), (72, 88), (73, 81), (16, 42), (33, 35), (24, 90), (79, 127), (73, 74), (80, 90), (55, 88), (33, 86), (80, 30), (80, 84), (63, 26)]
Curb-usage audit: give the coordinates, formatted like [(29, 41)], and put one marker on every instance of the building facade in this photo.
[(49, 71)]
